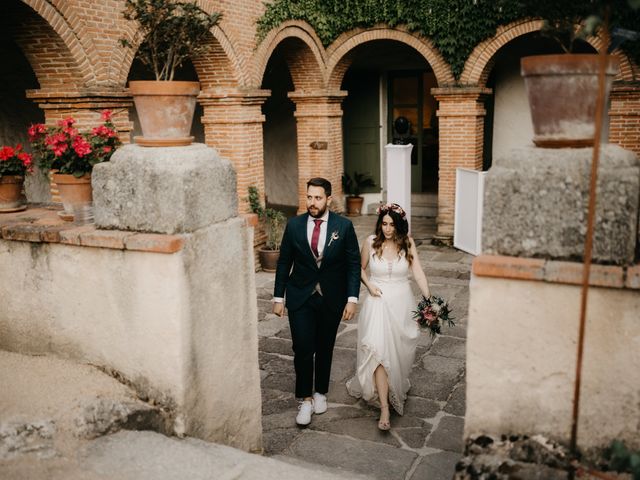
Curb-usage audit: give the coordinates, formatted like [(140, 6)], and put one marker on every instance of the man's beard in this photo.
[(319, 214)]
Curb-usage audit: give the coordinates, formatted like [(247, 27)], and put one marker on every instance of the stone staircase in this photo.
[(424, 204)]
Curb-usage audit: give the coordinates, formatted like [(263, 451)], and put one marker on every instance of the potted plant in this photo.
[(14, 165), (353, 186), (169, 32), (70, 156), (562, 89), (274, 222)]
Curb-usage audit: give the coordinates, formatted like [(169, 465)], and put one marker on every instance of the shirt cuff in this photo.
[(278, 300), (352, 300)]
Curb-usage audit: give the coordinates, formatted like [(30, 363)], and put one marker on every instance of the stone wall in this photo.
[(522, 348)]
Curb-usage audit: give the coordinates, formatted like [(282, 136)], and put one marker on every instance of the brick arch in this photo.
[(70, 54), (339, 58), (305, 54), (479, 64), (219, 67), (627, 70)]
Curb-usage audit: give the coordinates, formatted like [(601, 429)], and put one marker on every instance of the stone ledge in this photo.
[(43, 225), (555, 271)]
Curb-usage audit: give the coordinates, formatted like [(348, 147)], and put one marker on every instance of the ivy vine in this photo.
[(455, 26)]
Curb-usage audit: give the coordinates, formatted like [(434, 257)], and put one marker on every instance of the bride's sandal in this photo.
[(384, 425)]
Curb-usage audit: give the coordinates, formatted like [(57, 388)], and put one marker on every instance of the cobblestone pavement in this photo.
[(423, 444)]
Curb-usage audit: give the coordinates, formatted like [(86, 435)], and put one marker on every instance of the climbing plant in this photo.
[(455, 26)]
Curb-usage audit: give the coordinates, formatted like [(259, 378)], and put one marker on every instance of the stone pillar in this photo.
[(398, 185), (624, 115), (233, 126), (208, 325), (319, 127), (461, 124)]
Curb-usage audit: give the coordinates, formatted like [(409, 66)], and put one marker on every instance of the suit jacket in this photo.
[(297, 273)]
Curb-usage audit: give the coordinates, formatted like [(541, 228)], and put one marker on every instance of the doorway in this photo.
[(410, 97)]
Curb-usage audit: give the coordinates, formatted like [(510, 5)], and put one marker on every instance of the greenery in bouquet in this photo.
[(65, 149), (15, 161), (432, 313)]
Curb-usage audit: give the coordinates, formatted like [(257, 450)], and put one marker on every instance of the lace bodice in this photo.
[(383, 270)]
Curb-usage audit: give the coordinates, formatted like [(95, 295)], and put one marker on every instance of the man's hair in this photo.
[(320, 182)]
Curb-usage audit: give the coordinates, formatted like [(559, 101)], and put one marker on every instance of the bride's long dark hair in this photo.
[(401, 234)]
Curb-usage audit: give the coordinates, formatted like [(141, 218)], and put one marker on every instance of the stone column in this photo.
[(624, 115), (319, 127), (233, 126), (206, 325), (461, 123)]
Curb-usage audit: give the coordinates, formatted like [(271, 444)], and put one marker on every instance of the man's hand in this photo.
[(278, 308), (349, 311)]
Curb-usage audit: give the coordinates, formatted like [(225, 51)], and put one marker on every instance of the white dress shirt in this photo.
[(322, 241)]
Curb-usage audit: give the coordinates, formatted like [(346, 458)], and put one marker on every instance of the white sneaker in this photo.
[(305, 409), (319, 403)]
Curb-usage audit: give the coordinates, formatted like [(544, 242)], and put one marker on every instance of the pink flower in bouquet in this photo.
[(432, 313)]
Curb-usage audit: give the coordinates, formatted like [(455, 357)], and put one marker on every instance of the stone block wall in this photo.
[(522, 349)]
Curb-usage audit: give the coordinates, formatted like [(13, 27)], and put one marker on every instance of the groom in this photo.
[(321, 289)]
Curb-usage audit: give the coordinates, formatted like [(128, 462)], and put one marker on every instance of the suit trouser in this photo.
[(313, 331)]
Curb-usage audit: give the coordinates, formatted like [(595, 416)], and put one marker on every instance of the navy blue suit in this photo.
[(314, 318)]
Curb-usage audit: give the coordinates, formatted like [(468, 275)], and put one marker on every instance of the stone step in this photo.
[(54, 402)]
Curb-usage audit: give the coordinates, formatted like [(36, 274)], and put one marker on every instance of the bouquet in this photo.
[(433, 313)]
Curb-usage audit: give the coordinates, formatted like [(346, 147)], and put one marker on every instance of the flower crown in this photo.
[(394, 207)]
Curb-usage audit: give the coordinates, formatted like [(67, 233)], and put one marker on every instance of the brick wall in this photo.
[(624, 116), (72, 47), (461, 122)]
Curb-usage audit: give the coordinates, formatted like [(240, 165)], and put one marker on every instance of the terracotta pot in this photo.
[(11, 198), (75, 193), (165, 110), (354, 206), (268, 259), (562, 91)]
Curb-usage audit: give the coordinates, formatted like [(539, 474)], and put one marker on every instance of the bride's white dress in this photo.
[(387, 332)]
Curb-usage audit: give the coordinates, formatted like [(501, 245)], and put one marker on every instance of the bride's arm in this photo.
[(418, 273), (364, 261)]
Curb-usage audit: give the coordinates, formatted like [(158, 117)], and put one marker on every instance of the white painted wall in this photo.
[(182, 327), (521, 354), (512, 121)]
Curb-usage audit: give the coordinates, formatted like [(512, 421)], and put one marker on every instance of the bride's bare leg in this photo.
[(382, 385)]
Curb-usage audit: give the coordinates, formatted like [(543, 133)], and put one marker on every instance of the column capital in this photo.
[(233, 106), (318, 103), (460, 93), (80, 100), (233, 96), (621, 87)]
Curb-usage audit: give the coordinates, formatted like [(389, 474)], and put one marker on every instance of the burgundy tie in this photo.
[(315, 236)]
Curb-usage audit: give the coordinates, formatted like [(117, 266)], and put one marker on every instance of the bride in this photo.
[(387, 333)]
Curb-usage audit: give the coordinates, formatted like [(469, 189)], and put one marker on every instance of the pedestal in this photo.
[(398, 184), (164, 190), (536, 201)]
